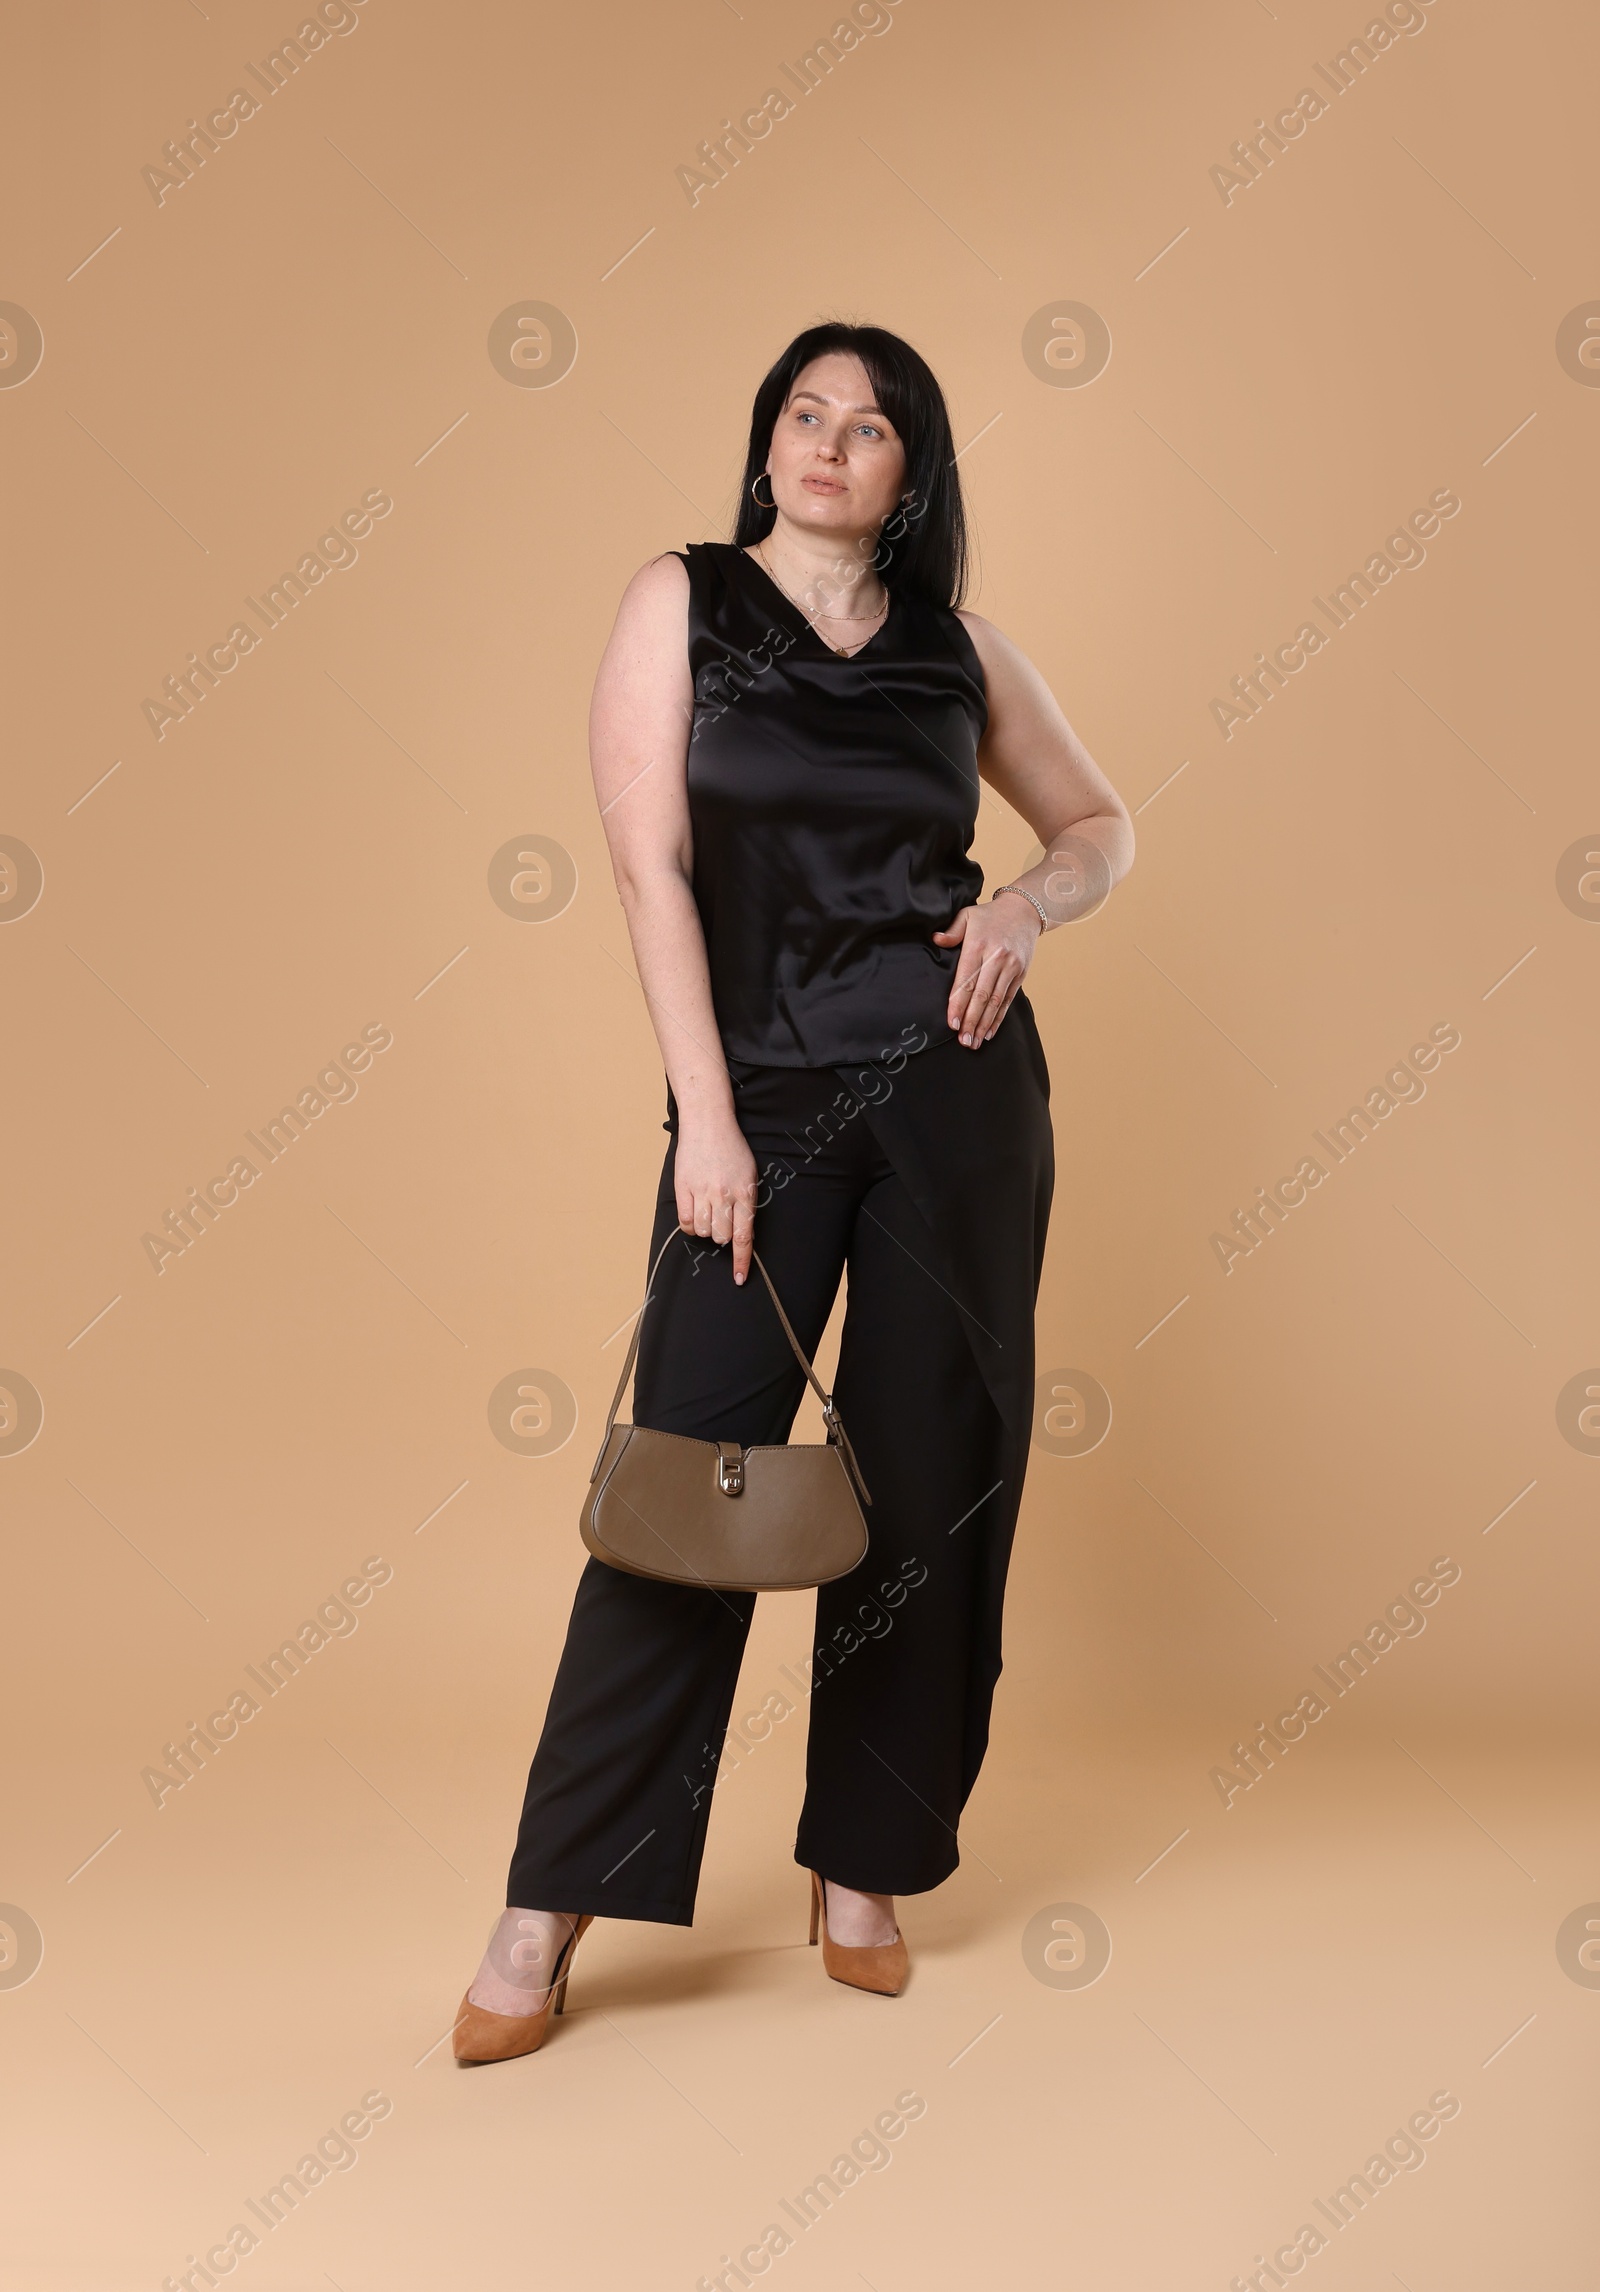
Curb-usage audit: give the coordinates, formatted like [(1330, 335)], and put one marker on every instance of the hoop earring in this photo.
[(755, 497)]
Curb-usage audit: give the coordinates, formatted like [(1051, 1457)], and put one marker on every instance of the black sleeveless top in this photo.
[(833, 804)]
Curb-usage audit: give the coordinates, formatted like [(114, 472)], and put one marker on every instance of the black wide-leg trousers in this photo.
[(863, 1173)]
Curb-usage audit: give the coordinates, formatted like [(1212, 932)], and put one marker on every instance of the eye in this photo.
[(869, 430)]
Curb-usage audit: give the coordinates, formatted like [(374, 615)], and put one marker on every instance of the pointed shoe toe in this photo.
[(480, 2035), (881, 1967)]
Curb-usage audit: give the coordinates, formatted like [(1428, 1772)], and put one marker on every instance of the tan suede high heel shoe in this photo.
[(484, 2036), (878, 1966)]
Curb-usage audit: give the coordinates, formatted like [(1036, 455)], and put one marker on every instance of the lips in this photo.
[(822, 485)]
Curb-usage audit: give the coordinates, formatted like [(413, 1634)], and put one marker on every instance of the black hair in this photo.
[(923, 548)]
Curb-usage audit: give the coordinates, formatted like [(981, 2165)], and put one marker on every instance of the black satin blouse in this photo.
[(833, 803)]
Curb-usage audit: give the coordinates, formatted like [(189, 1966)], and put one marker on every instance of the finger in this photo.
[(999, 988), (721, 1219), (744, 1232), (962, 1009), (968, 972), (978, 1003), (1006, 1002)]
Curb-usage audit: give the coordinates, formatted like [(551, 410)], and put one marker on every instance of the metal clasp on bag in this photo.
[(730, 1468)]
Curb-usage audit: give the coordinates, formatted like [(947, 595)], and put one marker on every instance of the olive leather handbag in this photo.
[(708, 1512)]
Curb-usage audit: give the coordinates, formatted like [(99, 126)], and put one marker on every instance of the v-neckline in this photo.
[(811, 629)]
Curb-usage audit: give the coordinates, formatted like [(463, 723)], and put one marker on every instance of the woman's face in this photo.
[(835, 463)]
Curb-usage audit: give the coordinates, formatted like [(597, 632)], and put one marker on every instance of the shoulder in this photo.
[(668, 583), (661, 580), (1008, 672), (655, 603), (992, 646), (649, 635)]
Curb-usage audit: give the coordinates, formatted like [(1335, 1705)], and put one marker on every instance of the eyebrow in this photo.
[(819, 400)]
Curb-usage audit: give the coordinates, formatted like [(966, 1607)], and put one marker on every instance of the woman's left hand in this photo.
[(996, 942)]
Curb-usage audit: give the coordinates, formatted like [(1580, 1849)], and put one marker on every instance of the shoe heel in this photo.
[(558, 2001), (816, 1904)]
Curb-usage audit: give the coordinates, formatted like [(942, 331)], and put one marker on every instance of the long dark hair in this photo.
[(924, 546)]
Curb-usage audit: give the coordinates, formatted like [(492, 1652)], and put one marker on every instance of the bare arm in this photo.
[(638, 747), (1031, 756)]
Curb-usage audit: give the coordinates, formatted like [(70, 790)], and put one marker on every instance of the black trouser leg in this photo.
[(886, 1760), (614, 1821), (619, 1795)]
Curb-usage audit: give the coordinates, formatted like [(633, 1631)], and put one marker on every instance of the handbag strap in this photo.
[(830, 1414)]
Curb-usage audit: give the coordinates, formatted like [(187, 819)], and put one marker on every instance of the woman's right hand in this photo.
[(715, 1177)]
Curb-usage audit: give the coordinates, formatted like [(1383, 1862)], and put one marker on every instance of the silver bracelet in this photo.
[(1044, 920)]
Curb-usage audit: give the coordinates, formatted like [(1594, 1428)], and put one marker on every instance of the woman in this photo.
[(788, 734)]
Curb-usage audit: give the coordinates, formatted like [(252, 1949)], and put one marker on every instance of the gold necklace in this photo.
[(853, 620)]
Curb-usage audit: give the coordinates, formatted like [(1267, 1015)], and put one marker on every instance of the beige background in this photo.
[(226, 1441)]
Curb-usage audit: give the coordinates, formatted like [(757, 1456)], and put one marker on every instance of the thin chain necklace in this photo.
[(854, 620)]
